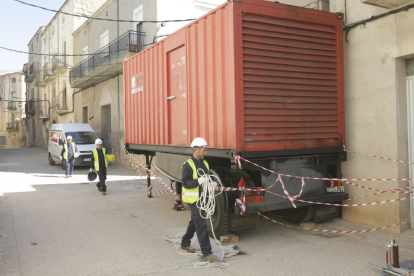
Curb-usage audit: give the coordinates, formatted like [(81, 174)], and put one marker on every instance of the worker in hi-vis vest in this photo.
[(100, 164), (68, 155), (191, 193)]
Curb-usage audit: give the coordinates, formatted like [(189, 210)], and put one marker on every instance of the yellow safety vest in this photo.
[(96, 158), (65, 154), (192, 195)]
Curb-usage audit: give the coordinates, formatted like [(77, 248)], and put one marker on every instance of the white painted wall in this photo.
[(181, 9)]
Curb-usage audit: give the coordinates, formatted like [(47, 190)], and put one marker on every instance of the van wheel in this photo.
[(63, 165), (51, 162)]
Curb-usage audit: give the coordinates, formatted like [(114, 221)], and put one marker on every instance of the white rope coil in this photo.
[(207, 200)]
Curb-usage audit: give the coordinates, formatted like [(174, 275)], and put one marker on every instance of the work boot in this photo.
[(210, 258), (70, 175), (67, 176), (103, 193), (99, 188), (188, 249)]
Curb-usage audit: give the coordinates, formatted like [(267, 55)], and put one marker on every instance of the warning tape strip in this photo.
[(382, 192), (169, 189), (336, 231), (384, 158), (166, 174), (238, 158), (347, 205)]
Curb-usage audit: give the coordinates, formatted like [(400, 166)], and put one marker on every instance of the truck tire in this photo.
[(63, 165), (219, 219), (299, 215), (51, 162)]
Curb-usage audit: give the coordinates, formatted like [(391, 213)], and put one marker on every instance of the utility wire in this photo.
[(104, 19), (347, 28), (66, 55)]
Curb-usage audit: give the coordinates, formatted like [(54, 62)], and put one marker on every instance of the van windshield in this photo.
[(82, 137)]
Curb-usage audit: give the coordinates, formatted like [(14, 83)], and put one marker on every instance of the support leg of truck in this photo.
[(148, 161)]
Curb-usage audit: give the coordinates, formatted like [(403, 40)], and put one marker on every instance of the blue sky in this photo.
[(18, 24)]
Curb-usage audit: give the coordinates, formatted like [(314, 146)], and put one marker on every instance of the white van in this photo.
[(83, 136)]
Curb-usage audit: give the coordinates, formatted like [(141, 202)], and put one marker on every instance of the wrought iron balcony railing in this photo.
[(34, 66), (12, 127), (12, 105), (47, 72), (30, 108), (130, 42)]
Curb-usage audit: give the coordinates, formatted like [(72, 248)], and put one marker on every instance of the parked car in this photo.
[(83, 136)]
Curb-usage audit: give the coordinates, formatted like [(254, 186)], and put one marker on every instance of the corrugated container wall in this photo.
[(249, 76)]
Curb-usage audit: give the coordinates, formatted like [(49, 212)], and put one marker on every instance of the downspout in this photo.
[(117, 78), (83, 89)]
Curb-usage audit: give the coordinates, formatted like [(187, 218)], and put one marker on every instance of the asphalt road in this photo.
[(51, 225)]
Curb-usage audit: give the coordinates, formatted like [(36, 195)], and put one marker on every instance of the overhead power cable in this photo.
[(66, 55), (347, 28), (104, 19), (23, 52)]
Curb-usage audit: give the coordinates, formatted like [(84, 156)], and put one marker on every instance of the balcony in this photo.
[(43, 111), (13, 86), (47, 72), (387, 3), (107, 61), (59, 67), (39, 79), (30, 108), (12, 127), (30, 74), (59, 104), (12, 105)]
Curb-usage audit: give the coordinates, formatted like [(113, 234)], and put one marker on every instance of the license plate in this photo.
[(335, 189), (87, 159), (254, 199)]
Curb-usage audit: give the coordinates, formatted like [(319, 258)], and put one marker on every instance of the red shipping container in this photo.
[(250, 76)]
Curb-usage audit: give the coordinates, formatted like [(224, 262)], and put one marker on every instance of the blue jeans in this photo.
[(197, 225), (102, 178), (70, 164)]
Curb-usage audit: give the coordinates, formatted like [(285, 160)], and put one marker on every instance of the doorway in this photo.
[(106, 126), (85, 115), (177, 96)]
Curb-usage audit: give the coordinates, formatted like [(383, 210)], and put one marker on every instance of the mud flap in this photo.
[(242, 222), (324, 212)]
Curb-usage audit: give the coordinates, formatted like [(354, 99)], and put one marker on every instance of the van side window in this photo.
[(62, 140)]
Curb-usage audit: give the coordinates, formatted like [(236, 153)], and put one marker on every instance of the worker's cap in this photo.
[(69, 137), (199, 142), (98, 142)]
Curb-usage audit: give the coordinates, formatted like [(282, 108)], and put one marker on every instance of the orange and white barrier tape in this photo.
[(382, 192), (347, 205), (238, 158), (170, 190), (375, 156), (336, 231), (241, 202)]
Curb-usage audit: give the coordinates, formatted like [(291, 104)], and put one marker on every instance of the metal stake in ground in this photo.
[(148, 161)]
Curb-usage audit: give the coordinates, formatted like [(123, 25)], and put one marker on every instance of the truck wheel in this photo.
[(51, 162), (299, 215), (63, 165), (219, 219)]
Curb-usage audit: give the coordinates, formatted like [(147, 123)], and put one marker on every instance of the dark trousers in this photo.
[(197, 224), (102, 178), (69, 164)]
